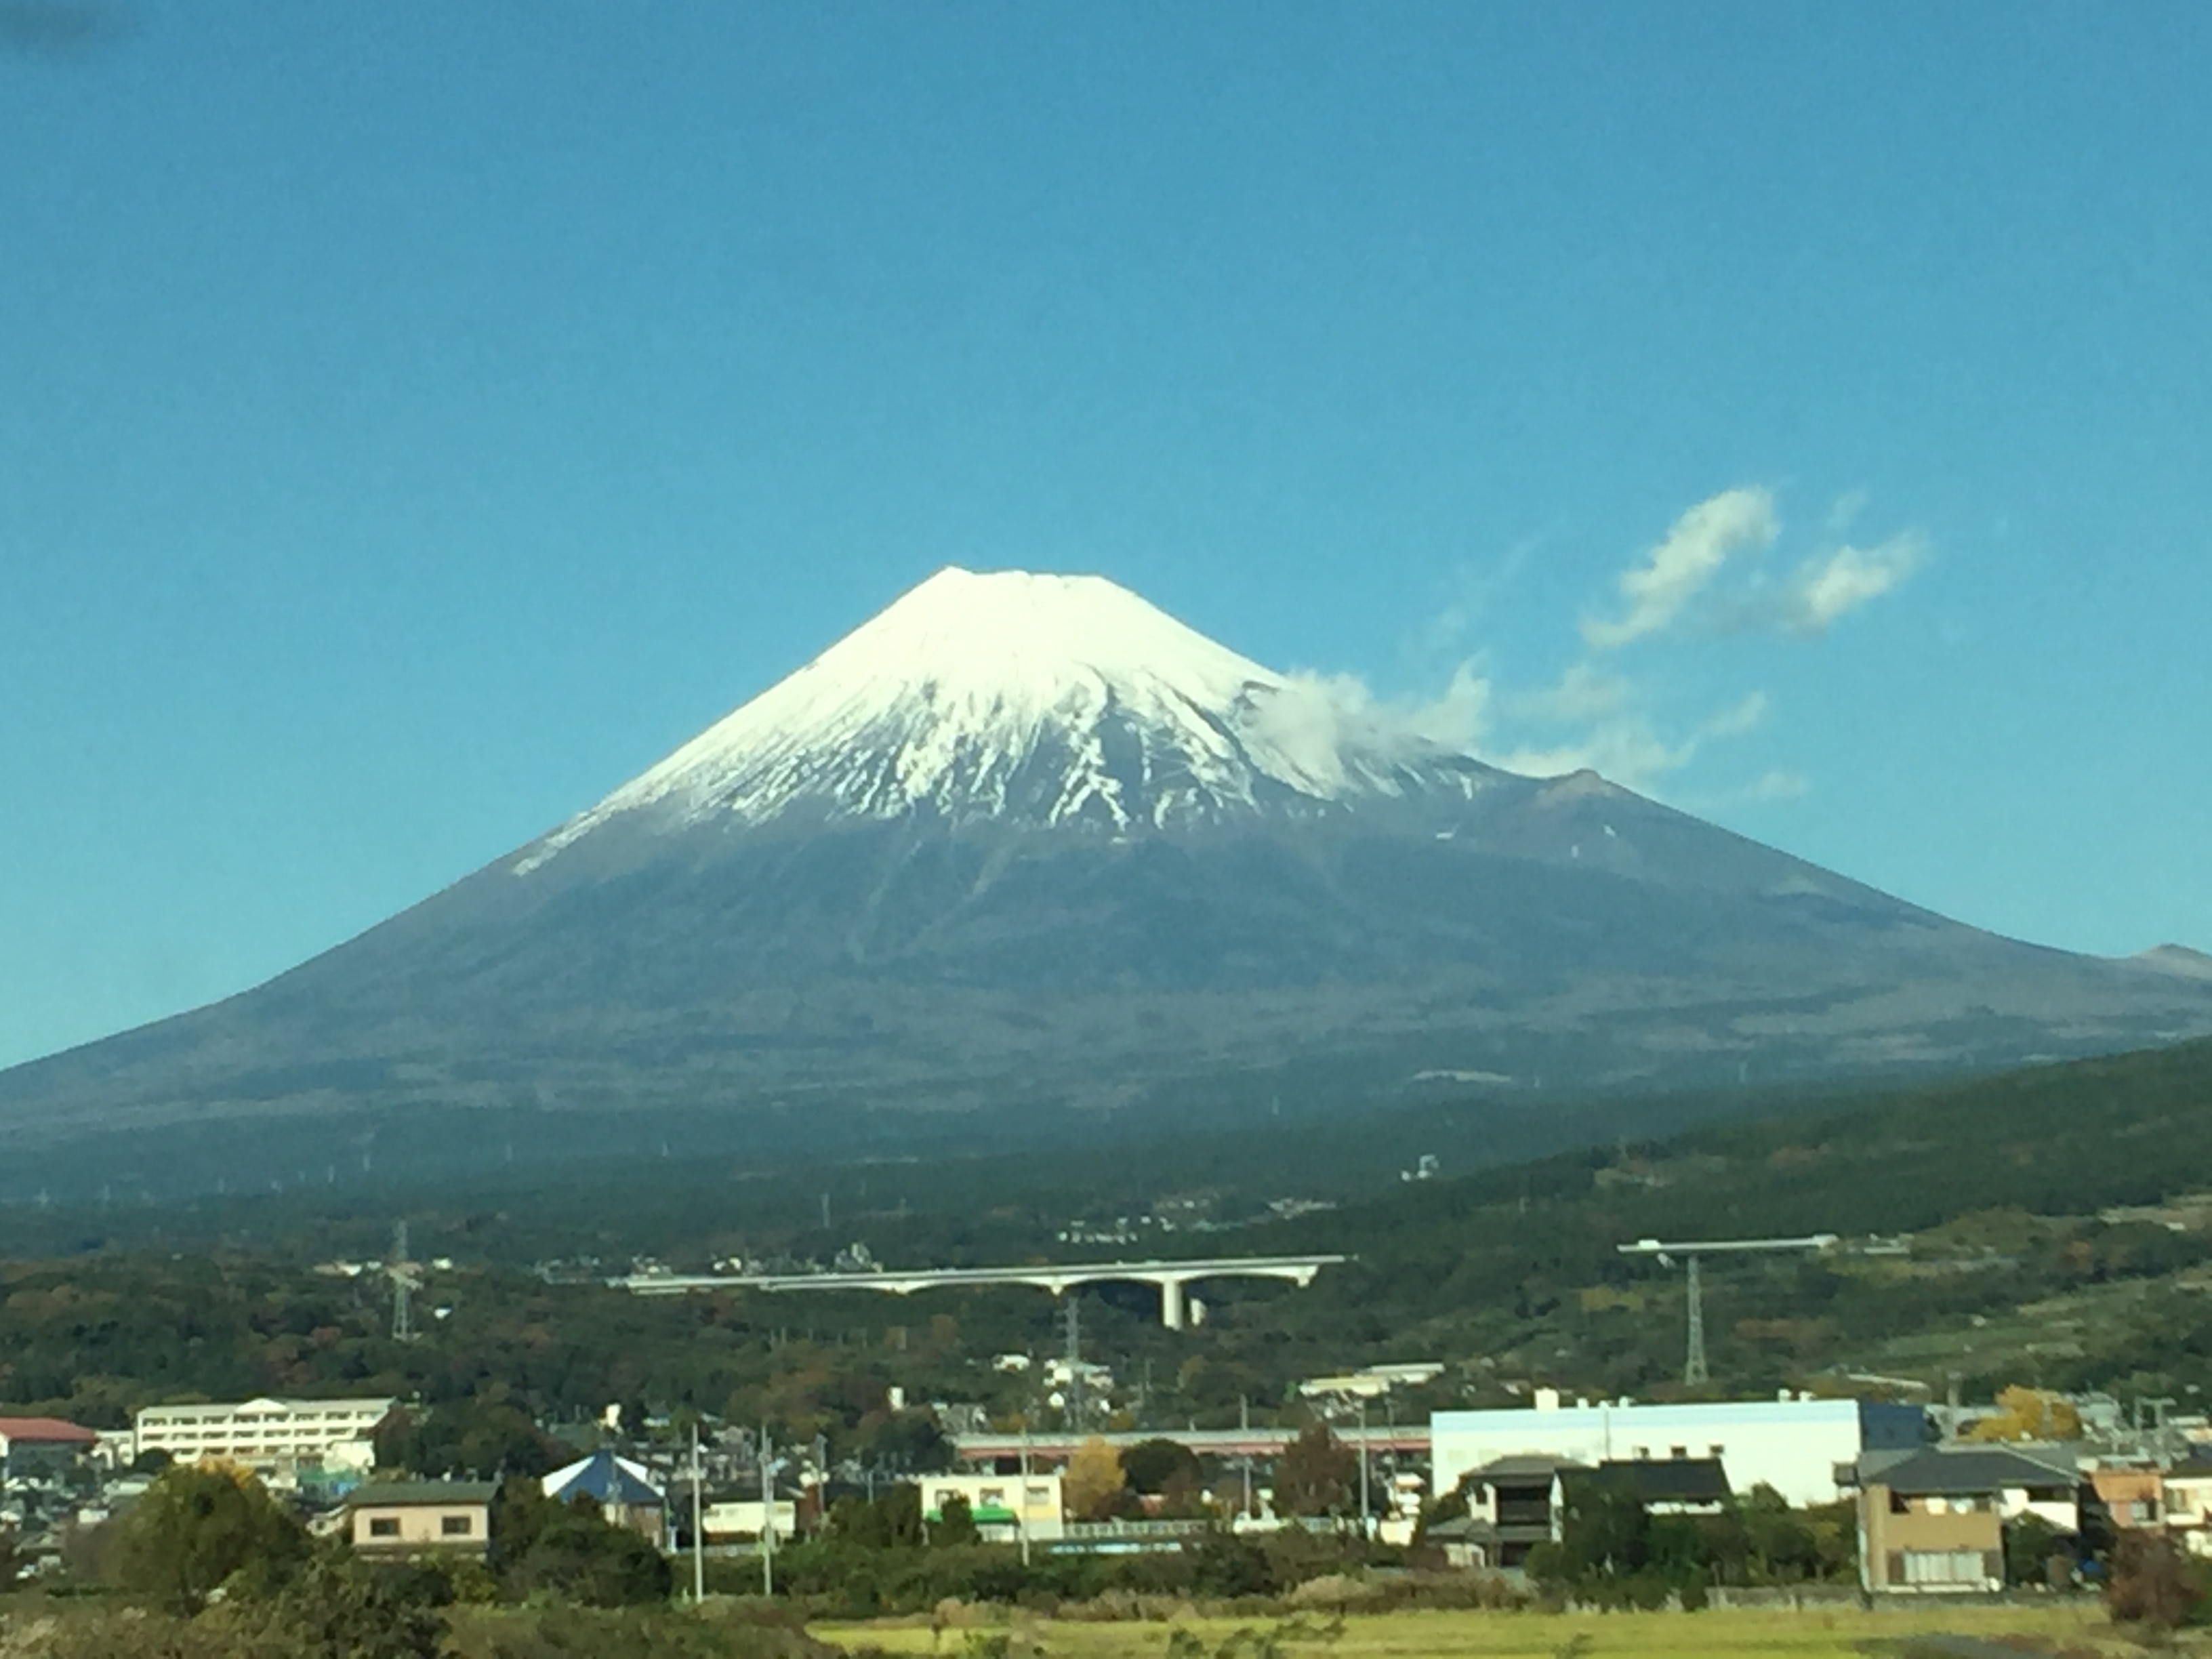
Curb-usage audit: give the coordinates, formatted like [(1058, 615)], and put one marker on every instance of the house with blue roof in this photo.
[(623, 1491)]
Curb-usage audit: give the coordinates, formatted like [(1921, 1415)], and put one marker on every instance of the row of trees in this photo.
[(1614, 1552), (1316, 1476), (200, 1531)]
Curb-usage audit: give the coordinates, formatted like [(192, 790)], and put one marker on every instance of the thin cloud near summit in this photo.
[(1703, 578)]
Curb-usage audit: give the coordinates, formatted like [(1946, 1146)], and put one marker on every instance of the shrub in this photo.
[(2152, 1582), (196, 1528)]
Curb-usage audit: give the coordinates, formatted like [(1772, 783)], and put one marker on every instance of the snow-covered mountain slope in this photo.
[(1040, 700), (1024, 851)]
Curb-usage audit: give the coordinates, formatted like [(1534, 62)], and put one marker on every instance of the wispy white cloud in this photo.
[(1584, 692), (1775, 785), (1608, 723), (1595, 714), (1679, 569), (1826, 589), (1844, 510), (1459, 719), (1314, 720), (1746, 715)]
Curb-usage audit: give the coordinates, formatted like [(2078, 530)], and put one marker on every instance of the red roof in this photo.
[(45, 1429)]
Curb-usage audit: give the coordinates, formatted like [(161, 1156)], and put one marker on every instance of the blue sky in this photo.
[(416, 418)]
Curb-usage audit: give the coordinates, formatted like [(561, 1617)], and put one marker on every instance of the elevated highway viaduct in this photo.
[(1174, 1279)]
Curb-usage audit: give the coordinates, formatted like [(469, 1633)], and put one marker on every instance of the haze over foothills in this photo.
[(414, 422)]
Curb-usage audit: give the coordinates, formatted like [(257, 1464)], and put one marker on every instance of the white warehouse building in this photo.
[(1793, 1443)]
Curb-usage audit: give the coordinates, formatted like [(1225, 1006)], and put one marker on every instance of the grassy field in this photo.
[(1837, 1633)]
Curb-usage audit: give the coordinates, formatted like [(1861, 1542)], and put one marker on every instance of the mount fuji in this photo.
[(1023, 852)]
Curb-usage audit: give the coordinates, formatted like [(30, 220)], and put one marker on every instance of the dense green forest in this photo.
[(2004, 1194)]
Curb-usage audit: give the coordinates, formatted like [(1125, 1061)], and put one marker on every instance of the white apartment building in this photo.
[(272, 1435)]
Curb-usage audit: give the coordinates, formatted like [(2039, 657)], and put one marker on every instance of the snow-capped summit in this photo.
[(1040, 700)]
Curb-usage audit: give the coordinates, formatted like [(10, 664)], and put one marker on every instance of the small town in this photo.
[(2033, 1493)]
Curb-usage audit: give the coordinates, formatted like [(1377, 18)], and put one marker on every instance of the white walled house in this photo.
[(2188, 1506), (744, 1518), (1005, 1507), (1793, 1444)]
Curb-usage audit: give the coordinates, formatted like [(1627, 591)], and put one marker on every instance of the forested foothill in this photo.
[(2065, 1190)]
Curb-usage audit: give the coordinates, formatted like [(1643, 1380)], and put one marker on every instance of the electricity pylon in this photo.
[(1694, 1371), (406, 1275)]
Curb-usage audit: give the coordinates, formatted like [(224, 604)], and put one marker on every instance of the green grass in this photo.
[(1845, 1632)]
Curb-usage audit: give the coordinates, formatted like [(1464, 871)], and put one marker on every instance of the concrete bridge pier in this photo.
[(1175, 1304)]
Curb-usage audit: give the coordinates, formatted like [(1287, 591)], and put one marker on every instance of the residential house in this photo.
[(2132, 1496), (1513, 1505), (623, 1491), (733, 1518), (1005, 1507), (1935, 1519), (2186, 1500), (1672, 1485), (404, 1517)]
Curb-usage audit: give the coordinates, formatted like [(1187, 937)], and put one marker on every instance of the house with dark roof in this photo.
[(1513, 1505), (1935, 1519), (406, 1516), (1672, 1485)]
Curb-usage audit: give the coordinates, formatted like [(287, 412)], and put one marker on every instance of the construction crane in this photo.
[(1694, 1363)]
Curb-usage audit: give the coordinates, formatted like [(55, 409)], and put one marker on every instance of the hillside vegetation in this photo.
[(2039, 1227)]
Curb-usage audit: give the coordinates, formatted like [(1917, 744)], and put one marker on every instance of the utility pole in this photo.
[(1022, 1508), (1074, 1365), (1694, 1363), (1363, 1466), (768, 1517), (1244, 1423), (698, 1531)]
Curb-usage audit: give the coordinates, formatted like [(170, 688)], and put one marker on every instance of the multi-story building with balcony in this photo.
[(274, 1437)]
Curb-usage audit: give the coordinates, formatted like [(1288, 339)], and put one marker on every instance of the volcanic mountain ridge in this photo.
[(1023, 853)]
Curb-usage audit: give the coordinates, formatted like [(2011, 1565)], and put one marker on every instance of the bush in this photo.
[(195, 1530), (572, 1552), (2153, 1584)]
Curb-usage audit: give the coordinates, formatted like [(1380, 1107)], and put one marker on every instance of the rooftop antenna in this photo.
[(1694, 1370), (404, 1273)]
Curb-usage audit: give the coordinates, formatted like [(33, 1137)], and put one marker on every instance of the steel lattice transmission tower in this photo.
[(1694, 1370), (405, 1276)]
